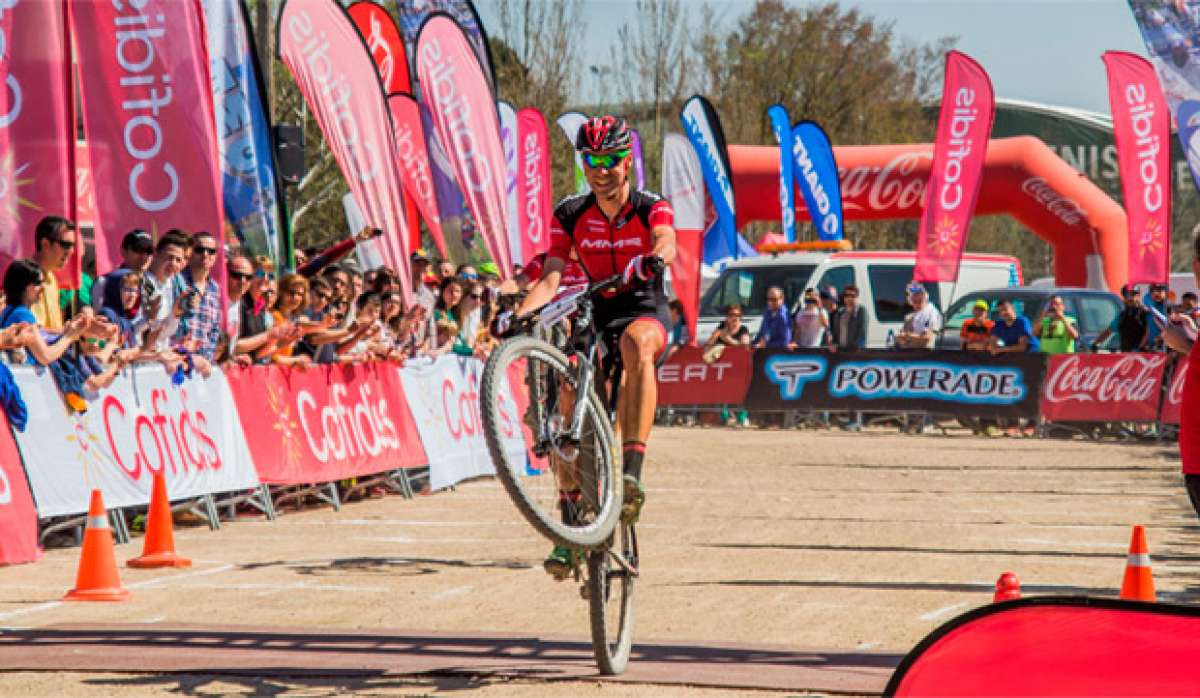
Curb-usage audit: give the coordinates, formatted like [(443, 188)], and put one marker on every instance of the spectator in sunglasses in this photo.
[(55, 239), (201, 319), (239, 272), (848, 325), (466, 272)]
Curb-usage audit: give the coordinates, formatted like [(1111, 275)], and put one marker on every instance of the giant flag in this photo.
[(148, 120), (463, 109), (333, 69), (37, 132), (534, 200), (683, 186), (1142, 129), (781, 126), (508, 140), (703, 128), (251, 189), (816, 170), (964, 126)]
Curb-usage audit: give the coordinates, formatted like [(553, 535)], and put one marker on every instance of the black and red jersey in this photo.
[(580, 231), (572, 274)]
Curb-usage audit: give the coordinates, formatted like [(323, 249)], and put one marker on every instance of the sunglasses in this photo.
[(477, 296), (240, 276), (205, 250), (268, 275), (65, 244), (606, 161)]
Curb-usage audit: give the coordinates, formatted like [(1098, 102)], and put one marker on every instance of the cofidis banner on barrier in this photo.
[(463, 111), (816, 171), (534, 187), (703, 128), (18, 518), (326, 423), (140, 425), (1142, 129), (444, 398), (947, 382), (1103, 387), (964, 126), (37, 130), (148, 118), (781, 126)]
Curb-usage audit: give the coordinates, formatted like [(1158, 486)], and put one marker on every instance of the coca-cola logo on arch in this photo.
[(898, 185), (1105, 379)]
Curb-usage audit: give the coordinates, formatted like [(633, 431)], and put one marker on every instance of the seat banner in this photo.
[(325, 423), (686, 378), (140, 425), (18, 518)]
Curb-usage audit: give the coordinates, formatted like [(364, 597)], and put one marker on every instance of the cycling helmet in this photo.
[(603, 133)]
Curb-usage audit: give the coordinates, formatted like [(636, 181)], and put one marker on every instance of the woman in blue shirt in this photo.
[(23, 288)]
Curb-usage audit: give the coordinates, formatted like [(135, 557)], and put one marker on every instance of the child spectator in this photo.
[(976, 332)]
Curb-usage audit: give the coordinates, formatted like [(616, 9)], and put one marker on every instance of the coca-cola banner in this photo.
[(1142, 129), (326, 423), (939, 382), (444, 397), (37, 132), (964, 127), (140, 425), (683, 186), (414, 164), (685, 378), (460, 102), (1103, 387), (1172, 403), (337, 76), (18, 518), (148, 120), (534, 188)]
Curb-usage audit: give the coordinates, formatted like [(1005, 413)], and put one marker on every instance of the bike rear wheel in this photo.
[(590, 466), (610, 587)]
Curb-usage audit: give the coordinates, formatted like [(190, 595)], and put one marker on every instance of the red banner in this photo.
[(37, 132), (683, 186), (18, 518), (964, 127), (148, 120), (534, 187), (685, 378), (334, 71), (1189, 415), (463, 109), (1172, 406), (326, 423), (1103, 387), (1142, 129), (414, 164)]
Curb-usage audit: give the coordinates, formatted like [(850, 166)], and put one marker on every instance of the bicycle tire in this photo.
[(606, 586), (510, 472)]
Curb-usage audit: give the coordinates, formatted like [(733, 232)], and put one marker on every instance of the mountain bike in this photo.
[(556, 359)]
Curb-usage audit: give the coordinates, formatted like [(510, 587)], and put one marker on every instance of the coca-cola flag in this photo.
[(1103, 387), (1142, 129), (334, 71), (508, 140), (415, 169), (683, 186), (383, 40), (37, 134), (148, 120), (534, 190), (964, 126), (464, 114)]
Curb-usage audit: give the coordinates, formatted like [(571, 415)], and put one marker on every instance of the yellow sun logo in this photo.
[(1152, 240), (12, 178), (284, 424), (89, 445), (945, 237)]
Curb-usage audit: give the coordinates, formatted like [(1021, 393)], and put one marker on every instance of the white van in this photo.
[(881, 278)]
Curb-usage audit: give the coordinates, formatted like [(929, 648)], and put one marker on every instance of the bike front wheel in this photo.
[(610, 589), (528, 384)]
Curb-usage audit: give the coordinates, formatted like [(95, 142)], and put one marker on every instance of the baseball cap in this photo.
[(1128, 290), (1158, 287), (982, 304), (915, 287), (418, 255), (489, 268), (826, 295), (137, 239)]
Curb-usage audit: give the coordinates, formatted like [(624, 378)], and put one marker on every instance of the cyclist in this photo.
[(615, 229)]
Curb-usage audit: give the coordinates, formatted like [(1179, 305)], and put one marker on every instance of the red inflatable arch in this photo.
[(1022, 177)]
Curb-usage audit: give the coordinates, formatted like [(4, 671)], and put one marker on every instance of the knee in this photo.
[(639, 348)]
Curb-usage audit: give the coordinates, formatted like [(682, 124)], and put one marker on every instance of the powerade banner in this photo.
[(37, 133), (816, 171), (683, 186), (703, 128), (334, 70), (415, 170), (508, 139), (781, 126), (148, 120), (464, 115), (1142, 128), (534, 204), (248, 180), (570, 122), (949, 382), (383, 40), (964, 126)]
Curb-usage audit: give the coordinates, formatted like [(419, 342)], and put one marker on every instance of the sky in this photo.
[(1038, 50)]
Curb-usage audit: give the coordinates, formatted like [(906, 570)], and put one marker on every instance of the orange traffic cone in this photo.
[(158, 549), (97, 579), (1139, 582)]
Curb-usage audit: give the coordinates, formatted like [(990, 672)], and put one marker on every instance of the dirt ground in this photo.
[(809, 539)]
